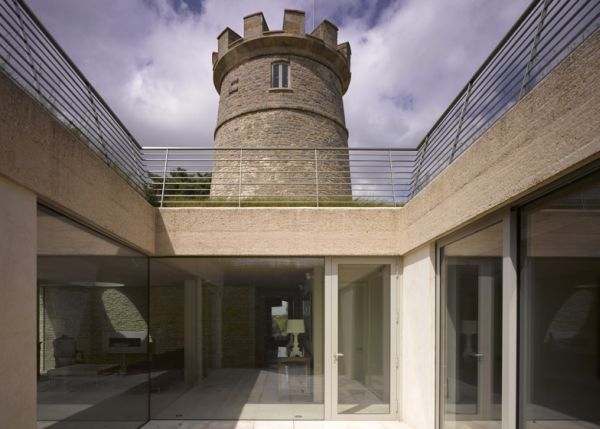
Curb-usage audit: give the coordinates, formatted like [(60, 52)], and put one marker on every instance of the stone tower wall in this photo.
[(309, 114), (314, 88)]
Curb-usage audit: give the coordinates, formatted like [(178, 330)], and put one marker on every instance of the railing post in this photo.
[(97, 120), (317, 175), (534, 47), (162, 196), (421, 154), (461, 119), (392, 176), (240, 179)]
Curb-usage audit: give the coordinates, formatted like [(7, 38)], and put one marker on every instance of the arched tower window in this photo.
[(280, 75)]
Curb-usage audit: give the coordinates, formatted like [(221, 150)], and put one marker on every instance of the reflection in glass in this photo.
[(92, 330), (471, 360), (560, 316), (223, 335), (363, 360)]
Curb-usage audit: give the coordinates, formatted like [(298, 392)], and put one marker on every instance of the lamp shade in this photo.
[(295, 326)]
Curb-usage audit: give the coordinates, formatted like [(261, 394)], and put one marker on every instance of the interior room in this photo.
[(92, 327), (237, 338)]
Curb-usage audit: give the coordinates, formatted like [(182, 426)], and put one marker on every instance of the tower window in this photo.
[(279, 75)]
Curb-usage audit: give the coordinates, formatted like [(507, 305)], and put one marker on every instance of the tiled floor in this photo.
[(273, 424)]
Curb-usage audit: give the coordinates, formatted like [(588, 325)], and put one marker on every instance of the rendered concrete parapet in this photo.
[(552, 131), (278, 231), (40, 154)]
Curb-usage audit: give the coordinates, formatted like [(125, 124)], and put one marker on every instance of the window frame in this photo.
[(507, 217), (279, 69), (510, 215)]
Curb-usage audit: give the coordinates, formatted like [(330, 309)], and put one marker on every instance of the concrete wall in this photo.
[(416, 381), (40, 154), (278, 231), (552, 131), (17, 306)]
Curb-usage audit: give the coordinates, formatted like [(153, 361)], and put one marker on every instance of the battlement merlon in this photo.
[(293, 22), (254, 26), (226, 38), (320, 45)]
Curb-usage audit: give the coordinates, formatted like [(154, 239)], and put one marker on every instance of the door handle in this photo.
[(336, 356), (478, 356)]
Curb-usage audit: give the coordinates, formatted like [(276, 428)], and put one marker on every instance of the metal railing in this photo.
[(544, 35), (35, 61), (270, 177)]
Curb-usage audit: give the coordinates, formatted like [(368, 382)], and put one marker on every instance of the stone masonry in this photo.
[(287, 124)]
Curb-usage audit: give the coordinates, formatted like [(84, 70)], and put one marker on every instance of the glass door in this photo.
[(364, 321), (471, 361)]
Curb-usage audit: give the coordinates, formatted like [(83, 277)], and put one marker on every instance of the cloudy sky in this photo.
[(151, 59)]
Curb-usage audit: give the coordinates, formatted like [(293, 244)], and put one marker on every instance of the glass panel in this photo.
[(237, 338), (363, 360), (560, 316), (471, 360), (284, 75), (92, 330), (275, 76)]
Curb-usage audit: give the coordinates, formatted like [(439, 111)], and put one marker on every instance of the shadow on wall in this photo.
[(91, 316), (86, 377)]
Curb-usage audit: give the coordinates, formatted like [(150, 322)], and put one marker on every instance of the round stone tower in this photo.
[(281, 90)]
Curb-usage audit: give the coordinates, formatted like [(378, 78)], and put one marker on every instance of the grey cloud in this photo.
[(151, 59)]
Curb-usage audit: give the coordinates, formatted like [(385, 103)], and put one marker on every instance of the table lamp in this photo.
[(295, 327)]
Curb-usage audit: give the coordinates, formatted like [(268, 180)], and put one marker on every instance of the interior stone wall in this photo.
[(238, 327), (89, 315), (167, 318)]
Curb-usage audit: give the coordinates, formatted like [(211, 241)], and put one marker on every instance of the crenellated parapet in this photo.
[(258, 40)]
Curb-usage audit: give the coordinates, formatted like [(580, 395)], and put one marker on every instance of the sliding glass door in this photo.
[(560, 309), (363, 330), (237, 338), (471, 327), (519, 321)]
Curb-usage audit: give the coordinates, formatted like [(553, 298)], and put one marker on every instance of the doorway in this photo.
[(471, 330), (273, 338), (364, 319)]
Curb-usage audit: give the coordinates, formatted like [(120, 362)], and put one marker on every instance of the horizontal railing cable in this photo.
[(544, 35), (35, 61), (302, 176)]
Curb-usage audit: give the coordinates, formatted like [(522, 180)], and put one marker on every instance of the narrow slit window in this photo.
[(279, 75)]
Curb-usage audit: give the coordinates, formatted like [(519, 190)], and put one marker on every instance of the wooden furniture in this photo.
[(293, 375)]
